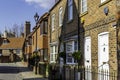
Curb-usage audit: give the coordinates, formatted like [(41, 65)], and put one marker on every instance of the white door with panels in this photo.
[(87, 58), (103, 56)]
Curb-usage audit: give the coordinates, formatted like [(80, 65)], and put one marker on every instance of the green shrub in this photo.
[(77, 55)]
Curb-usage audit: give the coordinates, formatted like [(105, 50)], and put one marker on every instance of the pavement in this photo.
[(17, 71)]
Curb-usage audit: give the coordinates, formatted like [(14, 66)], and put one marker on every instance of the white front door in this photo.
[(103, 55), (87, 58)]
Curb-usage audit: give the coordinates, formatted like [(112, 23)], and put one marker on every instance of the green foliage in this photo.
[(33, 58), (77, 55)]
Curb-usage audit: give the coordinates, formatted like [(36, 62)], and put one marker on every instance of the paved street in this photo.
[(17, 71)]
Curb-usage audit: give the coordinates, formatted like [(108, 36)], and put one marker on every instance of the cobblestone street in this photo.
[(17, 71)]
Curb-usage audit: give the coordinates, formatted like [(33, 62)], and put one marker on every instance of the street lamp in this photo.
[(36, 17)]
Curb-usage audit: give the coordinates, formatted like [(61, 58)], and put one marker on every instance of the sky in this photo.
[(18, 11)]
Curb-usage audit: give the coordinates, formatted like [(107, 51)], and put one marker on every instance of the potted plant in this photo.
[(77, 55)]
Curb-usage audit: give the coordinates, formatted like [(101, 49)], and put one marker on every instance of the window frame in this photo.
[(44, 28), (53, 54), (102, 1), (70, 51), (70, 10), (53, 22), (83, 7), (60, 16)]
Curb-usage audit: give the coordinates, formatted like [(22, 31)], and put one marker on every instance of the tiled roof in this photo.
[(13, 43)]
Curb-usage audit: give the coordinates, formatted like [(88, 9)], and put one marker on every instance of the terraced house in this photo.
[(37, 42), (98, 36), (63, 31)]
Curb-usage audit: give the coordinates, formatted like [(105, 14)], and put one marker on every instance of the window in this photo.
[(61, 47), (70, 48), (45, 54), (103, 1), (43, 28), (53, 22), (5, 41), (60, 16), (30, 41), (70, 10), (33, 40), (83, 6), (53, 54), (18, 51), (76, 45)]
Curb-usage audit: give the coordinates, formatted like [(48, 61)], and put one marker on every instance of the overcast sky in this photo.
[(18, 11)]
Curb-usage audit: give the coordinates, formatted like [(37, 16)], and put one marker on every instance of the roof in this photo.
[(54, 5), (42, 18), (13, 43)]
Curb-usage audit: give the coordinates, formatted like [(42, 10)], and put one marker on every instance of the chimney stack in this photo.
[(27, 28)]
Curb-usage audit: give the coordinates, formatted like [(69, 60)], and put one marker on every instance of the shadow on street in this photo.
[(13, 70)]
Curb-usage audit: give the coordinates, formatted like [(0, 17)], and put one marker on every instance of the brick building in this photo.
[(98, 35), (63, 32), (10, 52), (63, 24), (37, 42), (42, 37)]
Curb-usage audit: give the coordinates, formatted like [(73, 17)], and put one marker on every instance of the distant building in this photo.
[(11, 49)]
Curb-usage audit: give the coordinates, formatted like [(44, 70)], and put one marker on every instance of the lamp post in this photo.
[(36, 17)]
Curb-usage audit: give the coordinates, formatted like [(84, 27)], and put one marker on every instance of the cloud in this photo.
[(42, 3)]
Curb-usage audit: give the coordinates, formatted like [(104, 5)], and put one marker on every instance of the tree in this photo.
[(15, 30), (21, 29)]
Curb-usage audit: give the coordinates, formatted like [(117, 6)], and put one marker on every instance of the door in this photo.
[(103, 55), (87, 58)]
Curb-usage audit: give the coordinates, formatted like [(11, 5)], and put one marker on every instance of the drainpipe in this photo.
[(118, 48), (79, 35)]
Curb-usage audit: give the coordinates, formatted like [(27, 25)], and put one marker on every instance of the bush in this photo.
[(77, 55)]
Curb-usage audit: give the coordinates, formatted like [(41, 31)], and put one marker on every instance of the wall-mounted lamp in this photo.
[(106, 11)]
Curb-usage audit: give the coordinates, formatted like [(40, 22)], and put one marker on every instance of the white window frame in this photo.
[(83, 6), (53, 54), (60, 16), (53, 22), (70, 10), (72, 50), (103, 1)]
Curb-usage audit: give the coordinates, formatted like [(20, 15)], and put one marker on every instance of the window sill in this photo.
[(83, 14), (69, 21), (105, 2)]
